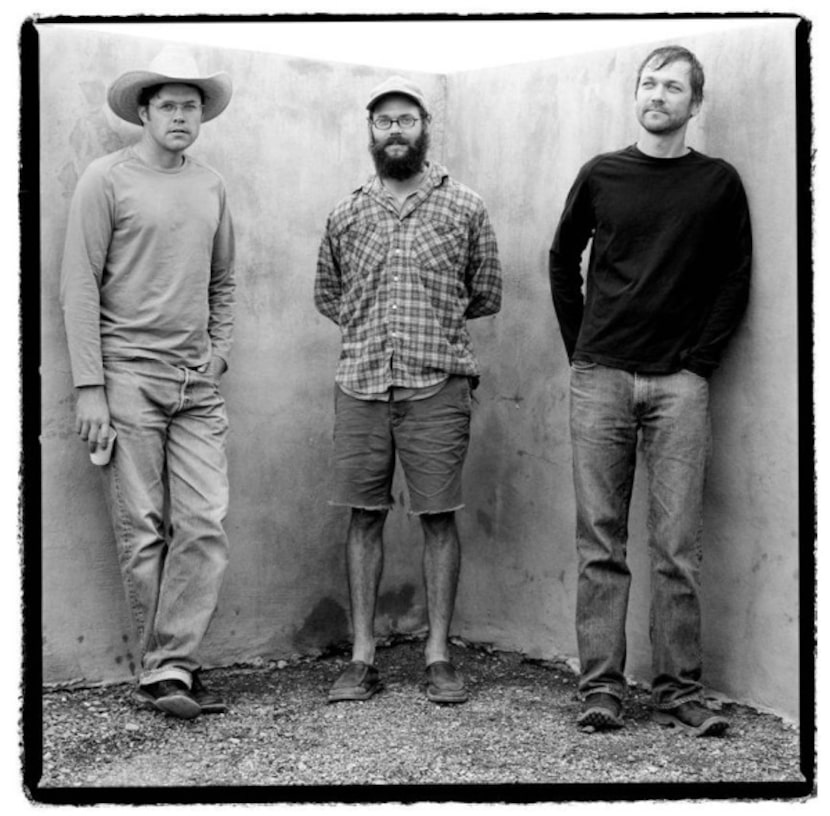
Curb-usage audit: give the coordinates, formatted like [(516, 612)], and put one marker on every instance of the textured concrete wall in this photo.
[(290, 145)]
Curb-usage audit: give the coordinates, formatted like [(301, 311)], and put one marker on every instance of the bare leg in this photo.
[(364, 556), (442, 559)]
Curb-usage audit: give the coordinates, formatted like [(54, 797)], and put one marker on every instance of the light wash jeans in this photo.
[(610, 408), (168, 496)]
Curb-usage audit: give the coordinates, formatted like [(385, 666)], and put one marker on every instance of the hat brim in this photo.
[(124, 93), (375, 99)]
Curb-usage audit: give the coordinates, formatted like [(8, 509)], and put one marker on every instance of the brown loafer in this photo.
[(358, 682), (444, 683)]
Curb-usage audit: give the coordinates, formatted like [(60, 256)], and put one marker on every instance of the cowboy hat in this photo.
[(172, 65)]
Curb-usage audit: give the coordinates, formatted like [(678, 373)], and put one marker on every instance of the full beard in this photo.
[(403, 167)]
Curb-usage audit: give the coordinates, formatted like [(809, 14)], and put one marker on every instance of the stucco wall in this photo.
[(292, 142)]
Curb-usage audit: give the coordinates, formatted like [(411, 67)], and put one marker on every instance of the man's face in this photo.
[(173, 117), (398, 152), (663, 102)]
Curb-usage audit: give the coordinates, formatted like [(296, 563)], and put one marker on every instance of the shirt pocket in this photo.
[(363, 248), (441, 245)]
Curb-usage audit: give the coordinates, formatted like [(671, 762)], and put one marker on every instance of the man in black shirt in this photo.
[(666, 285)]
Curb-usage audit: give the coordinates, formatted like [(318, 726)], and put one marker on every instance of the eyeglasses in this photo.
[(170, 108), (385, 122)]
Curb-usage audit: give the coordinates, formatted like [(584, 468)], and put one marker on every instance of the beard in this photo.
[(403, 167), (669, 124)]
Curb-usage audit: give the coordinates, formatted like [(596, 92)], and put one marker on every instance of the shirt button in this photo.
[(394, 305)]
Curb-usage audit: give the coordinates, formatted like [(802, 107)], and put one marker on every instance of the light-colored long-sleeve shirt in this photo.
[(401, 284), (147, 268)]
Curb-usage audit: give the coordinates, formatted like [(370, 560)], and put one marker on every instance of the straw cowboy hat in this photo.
[(172, 65)]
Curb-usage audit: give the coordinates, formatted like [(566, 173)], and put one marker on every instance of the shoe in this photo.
[(209, 701), (693, 718), (358, 682), (171, 697), (600, 712), (444, 683)]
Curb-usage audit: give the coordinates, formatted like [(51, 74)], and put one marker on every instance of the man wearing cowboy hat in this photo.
[(147, 291), (405, 261)]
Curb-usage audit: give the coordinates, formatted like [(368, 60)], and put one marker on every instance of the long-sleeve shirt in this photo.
[(401, 284), (147, 268), (668, 276)]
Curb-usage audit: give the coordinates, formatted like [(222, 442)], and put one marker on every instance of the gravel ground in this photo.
[(517, 727)]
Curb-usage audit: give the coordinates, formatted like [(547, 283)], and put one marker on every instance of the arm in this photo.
[(575, 229), (735, 248), (221, 293), (483, 276), (89, 229), (328, 286)]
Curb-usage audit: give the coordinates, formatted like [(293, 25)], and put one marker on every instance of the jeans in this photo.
[(610, 408), (167, 491)]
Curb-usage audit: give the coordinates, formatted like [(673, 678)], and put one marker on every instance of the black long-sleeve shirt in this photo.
[(668, 275)]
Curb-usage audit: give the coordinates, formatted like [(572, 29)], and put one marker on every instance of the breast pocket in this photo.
[(440, 245), (363, 247)]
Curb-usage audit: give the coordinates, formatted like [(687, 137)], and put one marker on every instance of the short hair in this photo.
[(666, 55), (148, 93)]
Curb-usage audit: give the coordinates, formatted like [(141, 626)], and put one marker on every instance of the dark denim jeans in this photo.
[(170, 450), (610, 410)]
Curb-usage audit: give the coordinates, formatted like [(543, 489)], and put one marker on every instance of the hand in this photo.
[(92, 416), (216, 368)]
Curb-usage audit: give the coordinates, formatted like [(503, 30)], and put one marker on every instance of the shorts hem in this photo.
[(434, 512), (354, 506)]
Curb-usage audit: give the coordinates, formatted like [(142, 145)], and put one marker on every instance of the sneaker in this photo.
[(171, 697), (600, 712), (693, 718), (209, 701)]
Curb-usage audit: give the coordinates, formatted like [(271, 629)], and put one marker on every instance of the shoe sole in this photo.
[(714, 726), (437, 696), (353, 695), (599, 719), (213, 708), (177, 705)]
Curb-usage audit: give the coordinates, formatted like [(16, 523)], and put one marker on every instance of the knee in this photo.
[(439, 526), (367, 521)]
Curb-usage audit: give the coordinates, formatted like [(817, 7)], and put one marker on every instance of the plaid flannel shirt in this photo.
[(402, 284)]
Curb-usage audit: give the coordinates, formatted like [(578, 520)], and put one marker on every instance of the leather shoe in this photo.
[(171, 697), (444, 683), (693, 718), (358, 682), (209, 701)]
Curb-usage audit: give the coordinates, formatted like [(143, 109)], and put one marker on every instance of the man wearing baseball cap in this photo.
[(147, 291), (405, 261)]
